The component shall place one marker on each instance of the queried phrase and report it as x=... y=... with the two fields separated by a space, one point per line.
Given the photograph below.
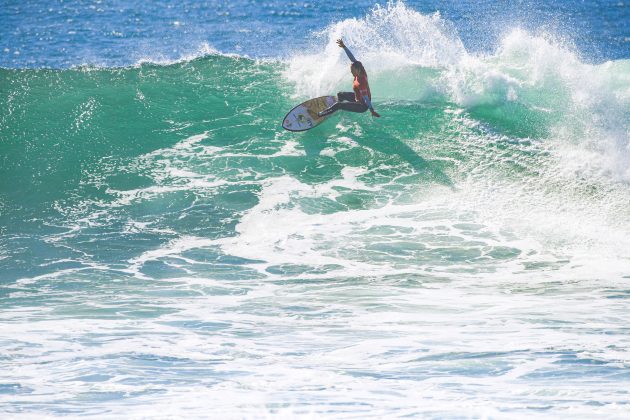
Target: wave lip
x=203 y=50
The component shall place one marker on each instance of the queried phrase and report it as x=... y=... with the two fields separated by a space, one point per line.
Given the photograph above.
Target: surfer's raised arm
x=348 y=53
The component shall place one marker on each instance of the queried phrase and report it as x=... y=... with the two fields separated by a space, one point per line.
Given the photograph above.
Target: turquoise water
x=167 y=250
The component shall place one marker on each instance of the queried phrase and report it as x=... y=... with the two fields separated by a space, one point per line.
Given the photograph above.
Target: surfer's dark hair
x=358 y=66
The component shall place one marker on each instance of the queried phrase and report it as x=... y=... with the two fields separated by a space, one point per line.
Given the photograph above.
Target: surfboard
x=304 y=116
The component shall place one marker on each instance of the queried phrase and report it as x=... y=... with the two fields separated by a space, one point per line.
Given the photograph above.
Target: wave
x=533 y=85
x=162 y=202
x=530 y=123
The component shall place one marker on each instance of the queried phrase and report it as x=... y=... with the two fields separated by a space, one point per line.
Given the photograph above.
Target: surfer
x=361 y=99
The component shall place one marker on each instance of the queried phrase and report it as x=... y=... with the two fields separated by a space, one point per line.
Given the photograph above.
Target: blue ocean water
x=113 y=33
x=168 y=251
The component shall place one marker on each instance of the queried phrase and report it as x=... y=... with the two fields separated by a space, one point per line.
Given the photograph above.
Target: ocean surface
x=168 y=251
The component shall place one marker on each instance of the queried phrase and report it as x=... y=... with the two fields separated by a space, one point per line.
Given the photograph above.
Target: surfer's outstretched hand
x=340 y=43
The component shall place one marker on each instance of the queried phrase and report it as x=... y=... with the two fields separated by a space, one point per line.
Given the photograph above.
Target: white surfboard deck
x=304 y=116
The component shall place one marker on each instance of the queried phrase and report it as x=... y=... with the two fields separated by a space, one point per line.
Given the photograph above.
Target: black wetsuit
x=346 y=101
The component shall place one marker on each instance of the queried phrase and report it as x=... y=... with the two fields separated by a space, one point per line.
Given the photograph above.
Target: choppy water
x=167 y=250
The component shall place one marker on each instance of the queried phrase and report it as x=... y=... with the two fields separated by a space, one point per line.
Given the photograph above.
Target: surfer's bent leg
x=346 y=96
x=346 y=106
x=346 y=101
x=353 y=106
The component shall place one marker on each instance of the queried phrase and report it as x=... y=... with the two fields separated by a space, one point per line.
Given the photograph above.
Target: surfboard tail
x=304 y=116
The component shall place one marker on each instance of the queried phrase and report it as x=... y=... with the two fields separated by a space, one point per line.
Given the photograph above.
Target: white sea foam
x=390 y=39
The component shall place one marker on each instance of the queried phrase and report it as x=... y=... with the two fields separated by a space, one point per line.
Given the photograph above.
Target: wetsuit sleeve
x=349 y=54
